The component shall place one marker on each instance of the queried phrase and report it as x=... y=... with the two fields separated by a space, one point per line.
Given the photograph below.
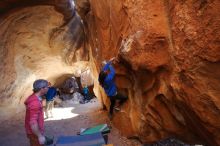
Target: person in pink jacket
x=34 y=118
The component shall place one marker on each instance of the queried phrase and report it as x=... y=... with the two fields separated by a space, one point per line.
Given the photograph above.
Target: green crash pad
x=103 y=128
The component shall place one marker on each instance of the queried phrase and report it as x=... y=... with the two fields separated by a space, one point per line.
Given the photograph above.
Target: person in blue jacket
x=86 y=94
x=106 y=80
x=51 y=94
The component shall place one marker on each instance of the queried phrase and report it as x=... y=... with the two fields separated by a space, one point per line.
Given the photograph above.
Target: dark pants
x=87 y=96
x=113 y=99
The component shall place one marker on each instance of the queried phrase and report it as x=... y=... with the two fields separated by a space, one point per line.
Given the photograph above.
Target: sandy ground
x=66 y=121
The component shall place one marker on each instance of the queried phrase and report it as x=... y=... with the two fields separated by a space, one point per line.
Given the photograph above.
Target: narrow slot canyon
x=167 y=62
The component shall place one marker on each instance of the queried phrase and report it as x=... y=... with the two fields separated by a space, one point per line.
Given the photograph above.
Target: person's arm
x=106 y=67
x=54 y=92
x=111 y=74
x=34 y=115
x=36 y=131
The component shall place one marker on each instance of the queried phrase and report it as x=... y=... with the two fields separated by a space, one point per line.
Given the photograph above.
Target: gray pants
x=49 y=108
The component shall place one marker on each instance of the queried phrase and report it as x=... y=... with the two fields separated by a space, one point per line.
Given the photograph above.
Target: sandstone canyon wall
x=38 y=39
x=168 y=53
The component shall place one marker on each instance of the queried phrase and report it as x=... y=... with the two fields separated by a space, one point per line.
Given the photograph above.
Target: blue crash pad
x=95 y=139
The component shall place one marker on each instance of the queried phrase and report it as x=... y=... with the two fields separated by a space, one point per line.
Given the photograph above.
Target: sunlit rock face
x=169 y=55
x=37 y=40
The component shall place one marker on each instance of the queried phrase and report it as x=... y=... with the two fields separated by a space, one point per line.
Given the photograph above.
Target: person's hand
x=41 y=139
x=113 y=58
x=104 y=62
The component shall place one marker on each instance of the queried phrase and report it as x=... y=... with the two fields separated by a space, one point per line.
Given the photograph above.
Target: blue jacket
x=85 y=90
x=109 y=85
x=51 y=93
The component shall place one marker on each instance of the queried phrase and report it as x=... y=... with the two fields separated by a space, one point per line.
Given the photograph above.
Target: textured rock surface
x=168 y=55
x=169 y=64
x=37 y=41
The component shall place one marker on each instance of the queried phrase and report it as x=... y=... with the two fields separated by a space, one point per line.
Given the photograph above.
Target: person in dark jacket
x=51 y=94
x=106 y=80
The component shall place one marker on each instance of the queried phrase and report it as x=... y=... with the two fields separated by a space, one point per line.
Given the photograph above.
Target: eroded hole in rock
x=167 y=64
x=75 y=90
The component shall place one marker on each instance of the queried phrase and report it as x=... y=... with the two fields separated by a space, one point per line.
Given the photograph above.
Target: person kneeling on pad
x=106 y=80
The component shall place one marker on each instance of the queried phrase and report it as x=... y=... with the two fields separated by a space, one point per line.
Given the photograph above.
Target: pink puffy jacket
x=34 y=113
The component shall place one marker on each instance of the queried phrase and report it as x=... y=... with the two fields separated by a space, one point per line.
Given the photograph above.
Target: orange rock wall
x=168 y=55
